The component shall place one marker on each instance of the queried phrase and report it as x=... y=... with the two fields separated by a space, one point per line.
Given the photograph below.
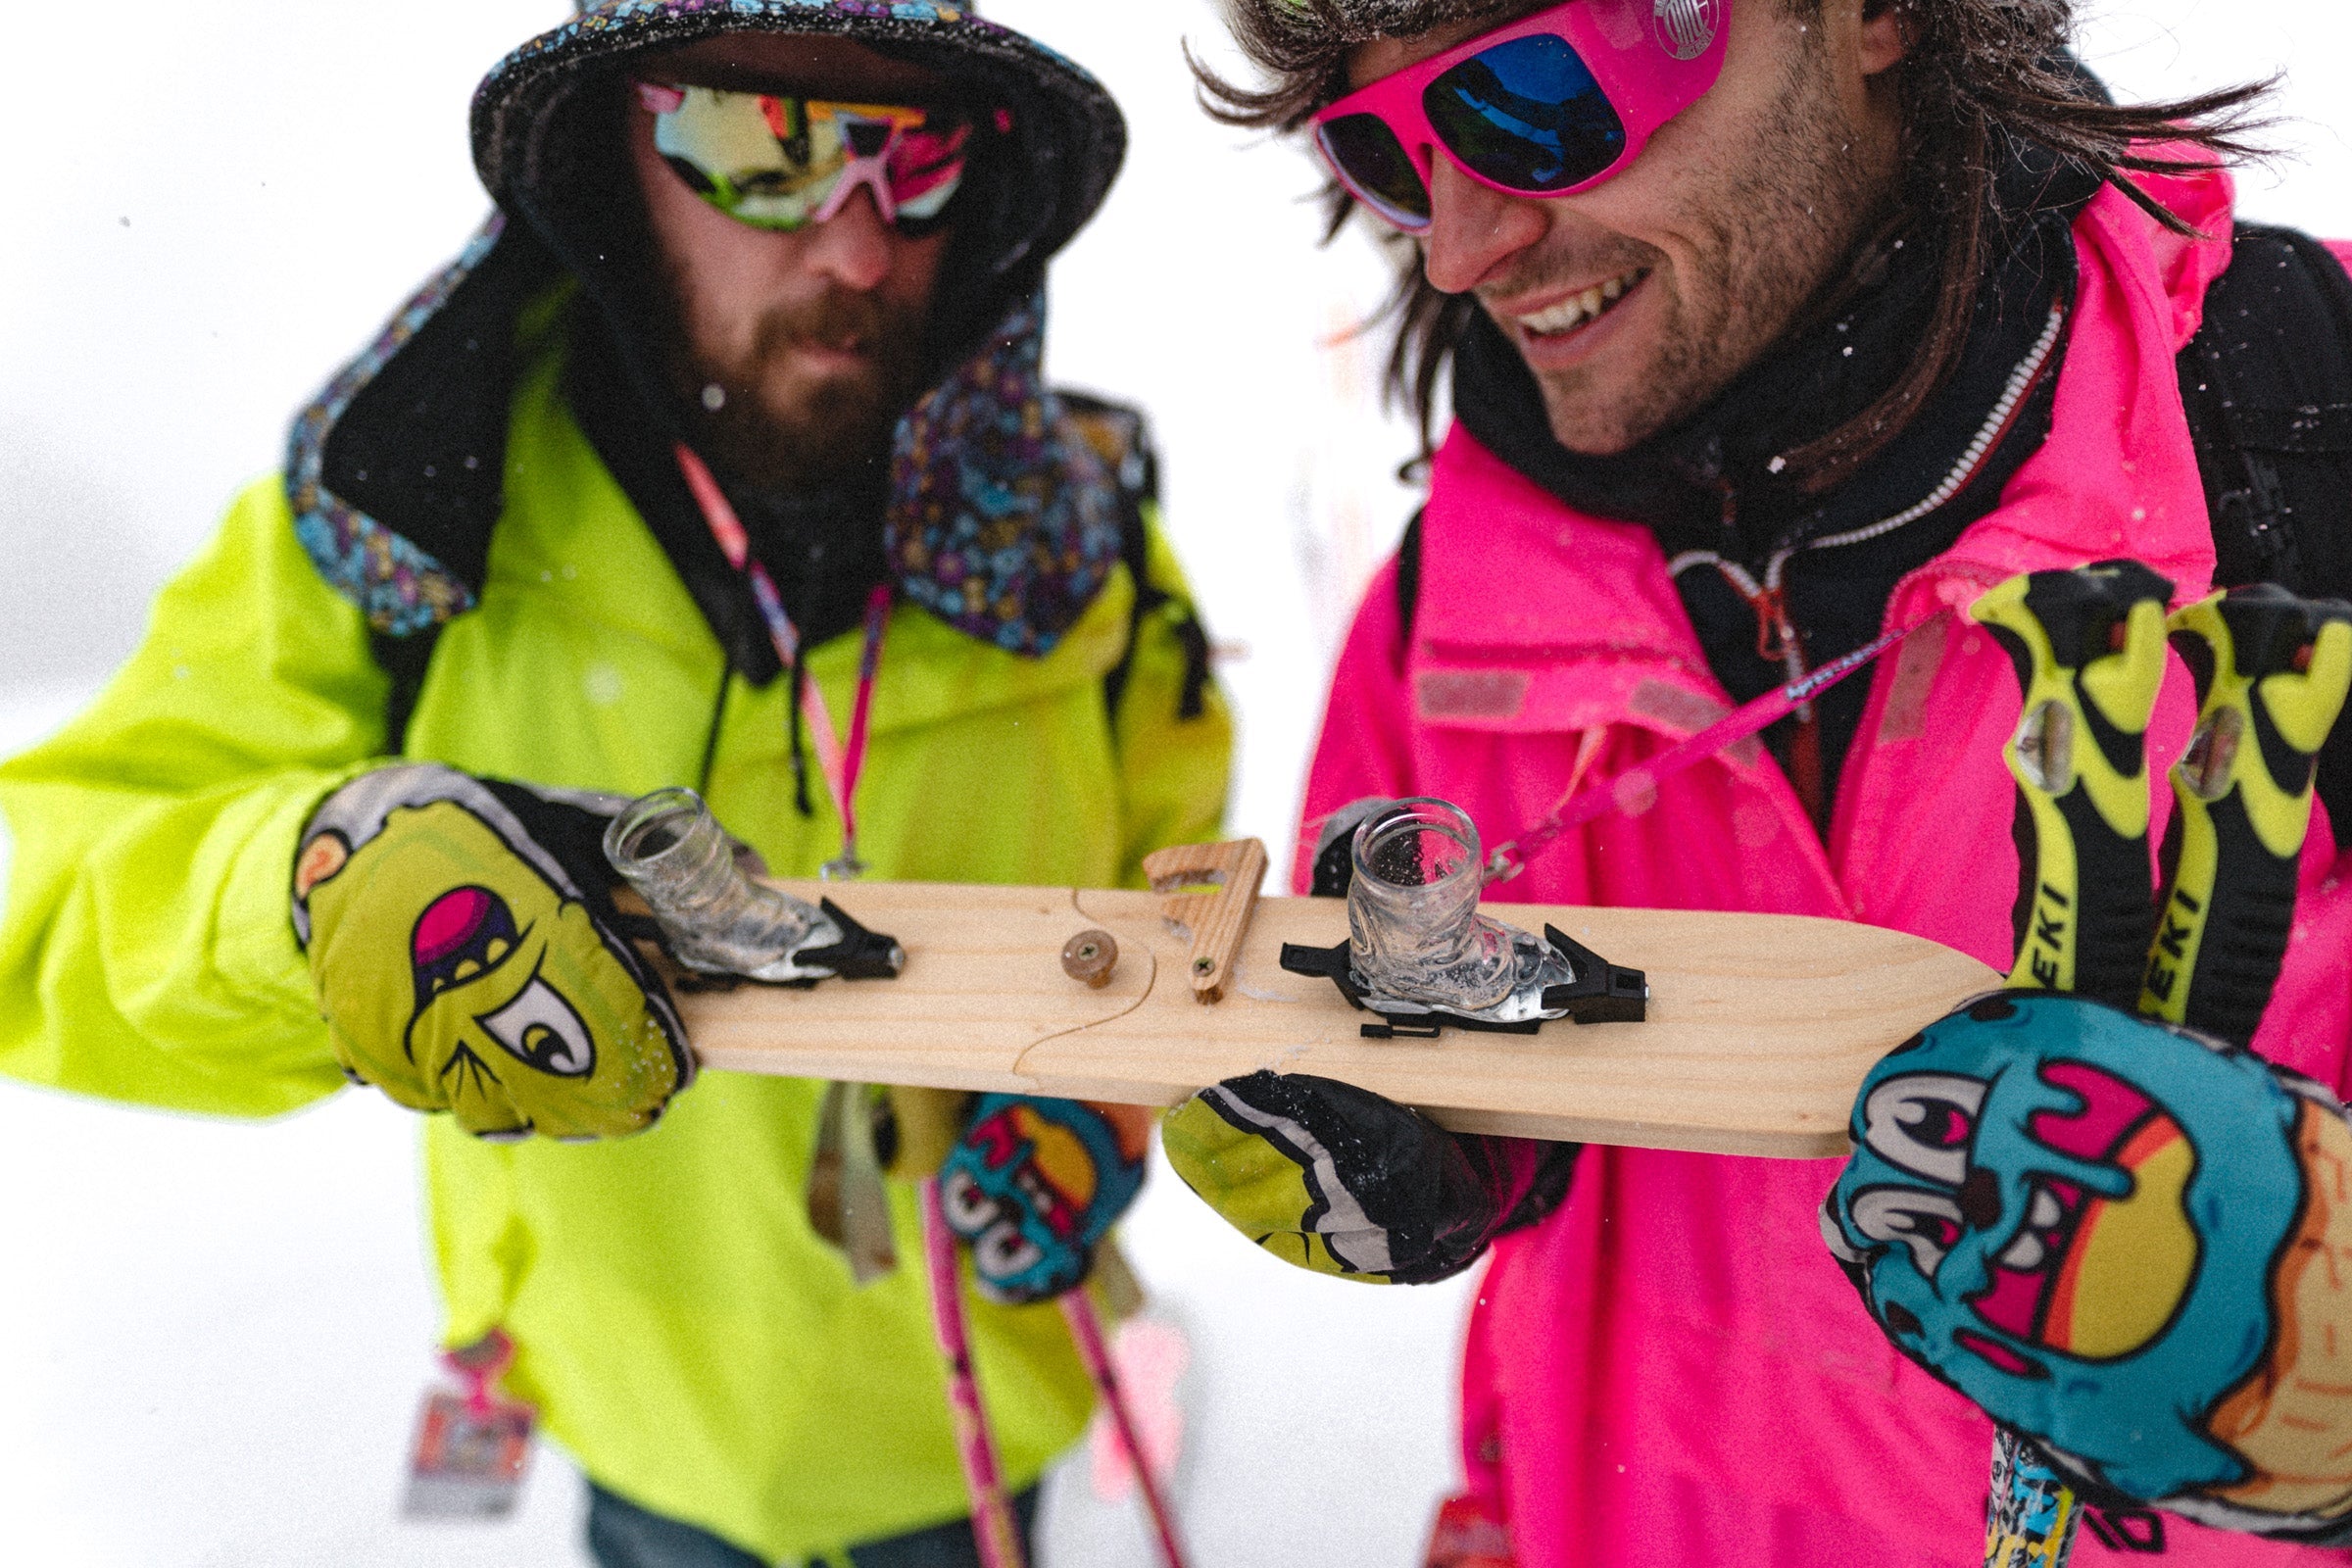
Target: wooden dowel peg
x=1091 y=956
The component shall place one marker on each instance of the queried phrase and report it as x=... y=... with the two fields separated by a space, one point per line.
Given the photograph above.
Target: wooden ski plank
x=1760 y=1027
x=983 y=984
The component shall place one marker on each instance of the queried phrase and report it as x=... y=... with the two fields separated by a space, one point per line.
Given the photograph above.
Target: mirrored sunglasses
x=778 y=162
x=1555 y=103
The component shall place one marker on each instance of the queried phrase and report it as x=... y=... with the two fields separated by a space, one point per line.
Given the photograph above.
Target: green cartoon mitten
x=462 y=940
x=1337 y=1180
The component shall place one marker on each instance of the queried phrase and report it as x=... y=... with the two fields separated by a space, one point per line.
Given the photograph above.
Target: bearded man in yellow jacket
x=729 y=422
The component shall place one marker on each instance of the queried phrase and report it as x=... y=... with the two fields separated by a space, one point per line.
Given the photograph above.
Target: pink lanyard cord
x=1634 y=789
x=841 y=764
x=869 y=666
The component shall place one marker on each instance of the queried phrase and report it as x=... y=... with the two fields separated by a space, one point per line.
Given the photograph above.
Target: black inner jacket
x=1711 y=483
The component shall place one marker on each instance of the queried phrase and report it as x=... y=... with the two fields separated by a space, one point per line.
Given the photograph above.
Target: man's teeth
x=1578 y=309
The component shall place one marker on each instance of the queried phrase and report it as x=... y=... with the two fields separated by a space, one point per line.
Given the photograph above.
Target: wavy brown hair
x=1977 y=72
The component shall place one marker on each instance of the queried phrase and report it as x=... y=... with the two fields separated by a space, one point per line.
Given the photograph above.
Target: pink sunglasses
x=1550 y=105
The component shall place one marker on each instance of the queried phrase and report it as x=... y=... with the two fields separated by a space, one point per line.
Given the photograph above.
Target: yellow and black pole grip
x=2272 y=673
x=2090 y=649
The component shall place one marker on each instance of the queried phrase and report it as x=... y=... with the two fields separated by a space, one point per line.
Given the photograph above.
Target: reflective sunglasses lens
x=757 y=158
x=1526 y=115
x=926 y=169
x=1374 y=162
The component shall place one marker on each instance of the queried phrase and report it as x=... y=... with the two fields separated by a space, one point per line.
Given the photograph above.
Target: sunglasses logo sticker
x=1685 y=28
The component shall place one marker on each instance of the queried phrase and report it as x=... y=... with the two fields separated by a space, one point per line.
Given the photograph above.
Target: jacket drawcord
x=812 y=587
x=719 y=715
x=798 y=677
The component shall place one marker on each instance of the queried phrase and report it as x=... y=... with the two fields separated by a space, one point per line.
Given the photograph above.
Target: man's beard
x=809 y=432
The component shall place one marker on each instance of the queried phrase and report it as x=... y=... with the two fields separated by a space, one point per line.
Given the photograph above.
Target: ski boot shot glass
x=1416 y=940
x=672 y=851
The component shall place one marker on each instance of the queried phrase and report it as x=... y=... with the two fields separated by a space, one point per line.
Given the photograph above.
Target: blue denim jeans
x=621 y=1534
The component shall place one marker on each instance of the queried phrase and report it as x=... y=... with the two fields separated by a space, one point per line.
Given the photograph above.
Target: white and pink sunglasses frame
x=869 y=172
x=1652 y=60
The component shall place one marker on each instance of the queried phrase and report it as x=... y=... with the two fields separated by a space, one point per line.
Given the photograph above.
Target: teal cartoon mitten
x=2125 y=1240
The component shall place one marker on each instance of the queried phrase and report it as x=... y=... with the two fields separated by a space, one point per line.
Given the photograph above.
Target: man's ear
x=1886 y=40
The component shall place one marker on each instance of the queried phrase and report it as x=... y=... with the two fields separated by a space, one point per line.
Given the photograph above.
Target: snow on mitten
x=1337 y=1180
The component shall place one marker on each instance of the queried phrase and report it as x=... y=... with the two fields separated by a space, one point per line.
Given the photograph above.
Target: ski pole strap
x=1633 y=789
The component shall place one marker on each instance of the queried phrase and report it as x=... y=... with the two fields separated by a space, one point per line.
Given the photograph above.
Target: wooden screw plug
x=1091 y=956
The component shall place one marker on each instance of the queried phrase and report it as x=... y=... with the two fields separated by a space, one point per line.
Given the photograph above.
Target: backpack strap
x=1123 y=441
x=1409 y=576
x=2267 y=384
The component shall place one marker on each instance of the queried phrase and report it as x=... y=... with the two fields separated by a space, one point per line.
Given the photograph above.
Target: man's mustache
x=840 y=320
x=1532 y=274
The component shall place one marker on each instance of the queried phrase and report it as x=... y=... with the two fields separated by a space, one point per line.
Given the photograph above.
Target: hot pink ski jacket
x=1670 y=1370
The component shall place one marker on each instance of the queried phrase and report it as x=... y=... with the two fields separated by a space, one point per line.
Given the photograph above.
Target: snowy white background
x=212 y=1337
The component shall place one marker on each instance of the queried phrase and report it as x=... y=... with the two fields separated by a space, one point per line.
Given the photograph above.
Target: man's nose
x=855 y=247
x=1473 y=229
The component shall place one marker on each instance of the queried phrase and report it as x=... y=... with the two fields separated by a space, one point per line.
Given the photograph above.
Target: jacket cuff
x=254 y=945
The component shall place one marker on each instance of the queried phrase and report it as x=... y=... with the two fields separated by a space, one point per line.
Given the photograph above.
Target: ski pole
x=1086 y=1331
x=2089 y=650
x=2272 y=673
x=992 y=1526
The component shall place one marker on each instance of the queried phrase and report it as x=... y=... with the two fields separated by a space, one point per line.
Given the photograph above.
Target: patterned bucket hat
x=534 y=125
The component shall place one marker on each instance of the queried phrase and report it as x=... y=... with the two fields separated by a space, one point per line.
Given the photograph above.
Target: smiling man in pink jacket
x=1773 y=324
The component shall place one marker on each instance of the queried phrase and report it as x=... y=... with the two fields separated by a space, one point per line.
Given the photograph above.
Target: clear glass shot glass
x=672 y=851
x=1415 y=933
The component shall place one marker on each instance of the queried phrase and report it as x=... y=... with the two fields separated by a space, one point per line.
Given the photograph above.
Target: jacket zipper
x=1778 y=640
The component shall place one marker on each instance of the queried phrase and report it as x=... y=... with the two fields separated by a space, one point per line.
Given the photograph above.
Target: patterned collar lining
x=1000 y=521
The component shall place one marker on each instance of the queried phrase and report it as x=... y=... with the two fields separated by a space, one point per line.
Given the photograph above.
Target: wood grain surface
x=1217 y=919
x=1760 y=1026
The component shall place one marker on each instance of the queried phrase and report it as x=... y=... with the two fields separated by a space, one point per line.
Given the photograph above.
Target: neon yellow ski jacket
x=681 y=1329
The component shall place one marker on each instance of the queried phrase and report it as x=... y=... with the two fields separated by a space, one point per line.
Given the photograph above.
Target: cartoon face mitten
x=461 y=938
x=1336 y=1179
x=2125 y=1240
x=1033 y=1185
